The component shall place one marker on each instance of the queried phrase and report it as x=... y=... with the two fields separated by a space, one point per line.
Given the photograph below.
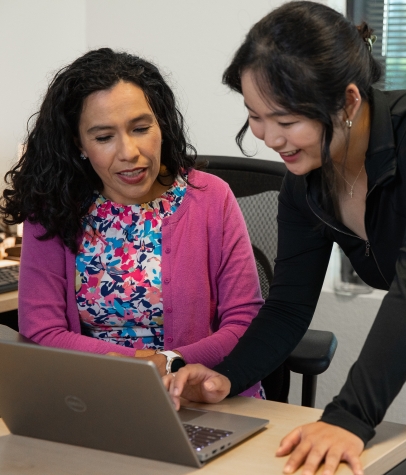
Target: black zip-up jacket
x=305 y=237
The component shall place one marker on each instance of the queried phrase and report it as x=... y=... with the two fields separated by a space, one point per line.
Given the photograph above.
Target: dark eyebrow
x=101 y=127
x=275 y=113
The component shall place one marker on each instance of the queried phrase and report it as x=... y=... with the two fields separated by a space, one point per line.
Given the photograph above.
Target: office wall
x=36 y=38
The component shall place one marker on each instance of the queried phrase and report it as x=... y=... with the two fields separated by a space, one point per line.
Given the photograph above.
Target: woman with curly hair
x=308 y=80
x=127 y=248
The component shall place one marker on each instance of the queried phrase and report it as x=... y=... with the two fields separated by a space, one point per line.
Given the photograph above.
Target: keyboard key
x=201 y=437
x=9 y=278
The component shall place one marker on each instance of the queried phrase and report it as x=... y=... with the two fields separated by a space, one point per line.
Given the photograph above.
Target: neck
x=351 y=161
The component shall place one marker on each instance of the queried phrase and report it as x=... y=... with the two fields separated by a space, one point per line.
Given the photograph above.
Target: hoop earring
x=348 y=123
x=83 y=156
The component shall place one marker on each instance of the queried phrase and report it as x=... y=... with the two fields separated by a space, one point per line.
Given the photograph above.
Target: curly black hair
x=50 y=184
x=304 y=54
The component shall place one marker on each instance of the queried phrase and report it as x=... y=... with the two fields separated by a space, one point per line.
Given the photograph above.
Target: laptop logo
x=75 y=404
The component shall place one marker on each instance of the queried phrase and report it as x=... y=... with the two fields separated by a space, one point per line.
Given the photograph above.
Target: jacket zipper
x=368 y=249
x=368 y=245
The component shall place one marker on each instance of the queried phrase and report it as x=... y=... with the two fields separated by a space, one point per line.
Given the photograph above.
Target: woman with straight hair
x=307 y=76
x=128 y=249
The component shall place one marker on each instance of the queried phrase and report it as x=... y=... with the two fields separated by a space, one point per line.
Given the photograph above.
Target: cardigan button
x=167 y=280
x=169 y=310
x=169 y=339
x=168 y=250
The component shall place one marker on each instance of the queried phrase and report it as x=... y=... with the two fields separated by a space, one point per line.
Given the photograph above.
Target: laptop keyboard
x=201 y=437
x=9 y=278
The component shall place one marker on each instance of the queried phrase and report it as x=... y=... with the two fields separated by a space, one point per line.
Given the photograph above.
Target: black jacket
x=305 y=237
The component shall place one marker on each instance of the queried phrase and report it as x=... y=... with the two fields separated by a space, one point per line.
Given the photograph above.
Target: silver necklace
x=351 y=192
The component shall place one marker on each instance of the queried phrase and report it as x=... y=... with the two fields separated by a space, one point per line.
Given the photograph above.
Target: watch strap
x=171 y=356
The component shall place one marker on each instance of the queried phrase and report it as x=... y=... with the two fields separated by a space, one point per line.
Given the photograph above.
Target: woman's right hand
x=196 y=383
x=318 y=442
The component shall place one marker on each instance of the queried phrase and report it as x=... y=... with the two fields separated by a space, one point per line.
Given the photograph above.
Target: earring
x=83 y=156
x=348 y=123
x=163 y=170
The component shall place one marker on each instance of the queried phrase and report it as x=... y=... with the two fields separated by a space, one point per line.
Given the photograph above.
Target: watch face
x=177 y=363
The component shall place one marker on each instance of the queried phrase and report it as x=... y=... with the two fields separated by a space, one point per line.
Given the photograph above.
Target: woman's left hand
x=158 y=360
x=311 y=444
x=144 y=353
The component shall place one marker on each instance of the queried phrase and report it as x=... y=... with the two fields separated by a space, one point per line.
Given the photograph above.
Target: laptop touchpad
x=189 y=414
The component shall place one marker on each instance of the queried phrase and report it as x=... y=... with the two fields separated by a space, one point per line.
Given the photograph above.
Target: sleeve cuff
x=338 y=416
x=224 y=369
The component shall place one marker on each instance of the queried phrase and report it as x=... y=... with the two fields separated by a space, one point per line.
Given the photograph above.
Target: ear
x=353 y=102
x=79 y=146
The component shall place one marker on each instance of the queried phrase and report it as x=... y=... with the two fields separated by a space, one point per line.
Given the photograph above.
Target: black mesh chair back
x=256 y=184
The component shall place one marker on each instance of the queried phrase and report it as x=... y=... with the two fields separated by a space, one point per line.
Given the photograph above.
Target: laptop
x=108 y=403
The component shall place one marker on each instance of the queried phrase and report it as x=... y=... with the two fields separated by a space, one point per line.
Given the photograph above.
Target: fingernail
x=176 y=391
x=209 y=386
x=288 y=469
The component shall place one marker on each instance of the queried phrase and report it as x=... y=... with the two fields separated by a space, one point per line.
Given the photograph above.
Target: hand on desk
x=314 y=443
x=196 y=383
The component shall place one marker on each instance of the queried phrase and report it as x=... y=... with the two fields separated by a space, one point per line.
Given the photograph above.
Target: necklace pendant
x=351 y=193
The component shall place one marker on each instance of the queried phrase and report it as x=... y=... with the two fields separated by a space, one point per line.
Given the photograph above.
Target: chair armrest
x=313 y=354
x=8 y=334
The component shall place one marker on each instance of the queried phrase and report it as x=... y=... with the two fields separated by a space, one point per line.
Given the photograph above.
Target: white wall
x=36 y=38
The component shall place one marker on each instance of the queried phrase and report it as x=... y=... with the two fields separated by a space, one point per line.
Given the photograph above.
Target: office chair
x=256 y=184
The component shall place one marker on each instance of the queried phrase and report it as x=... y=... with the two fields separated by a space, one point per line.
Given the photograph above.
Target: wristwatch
x=173 y=361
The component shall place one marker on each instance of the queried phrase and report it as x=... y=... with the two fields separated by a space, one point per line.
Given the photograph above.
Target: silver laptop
x=108 y=403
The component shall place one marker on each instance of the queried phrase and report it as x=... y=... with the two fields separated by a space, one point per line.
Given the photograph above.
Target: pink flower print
x=86 y=317
x=93 y=281
x=151 y=216
x=127 y=219
x=104 y=210
x=109 y=299
x=92 y=295
x=125 y=251
x=117 y=225
x=166 y=205
x=118 y=251
x=138 y=276
x=153 y=295
x=128 y=314
x=128 y=289
x=144 y=317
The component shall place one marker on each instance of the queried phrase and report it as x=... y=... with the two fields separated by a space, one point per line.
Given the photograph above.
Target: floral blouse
x=118 y=270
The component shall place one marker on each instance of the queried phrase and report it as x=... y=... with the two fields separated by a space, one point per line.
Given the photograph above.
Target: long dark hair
x=303 y=55
x=50 y=184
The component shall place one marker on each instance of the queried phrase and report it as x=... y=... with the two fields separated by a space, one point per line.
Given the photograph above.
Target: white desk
x=25 y=456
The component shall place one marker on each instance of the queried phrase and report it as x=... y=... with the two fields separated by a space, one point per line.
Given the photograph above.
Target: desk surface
x=256 y=455
x=8 y=301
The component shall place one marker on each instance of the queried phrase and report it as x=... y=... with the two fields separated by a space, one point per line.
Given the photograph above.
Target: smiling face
x=120 y=136
x=296 y=138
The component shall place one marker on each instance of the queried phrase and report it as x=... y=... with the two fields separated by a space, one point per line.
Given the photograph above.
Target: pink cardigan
x=210 y=286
